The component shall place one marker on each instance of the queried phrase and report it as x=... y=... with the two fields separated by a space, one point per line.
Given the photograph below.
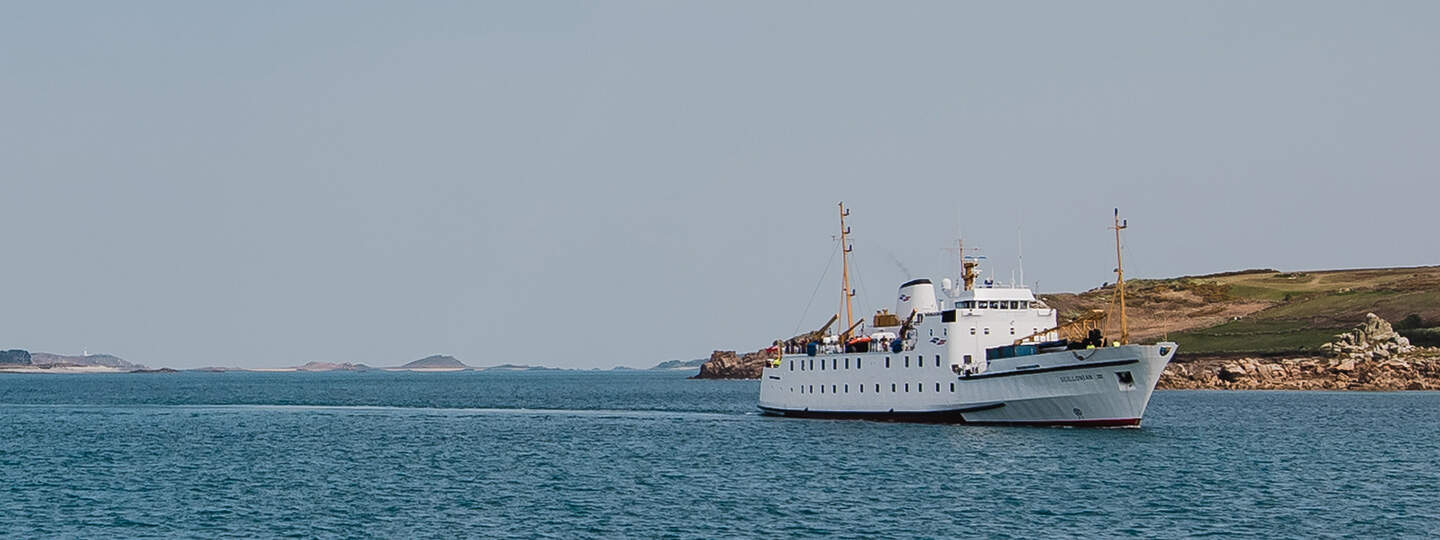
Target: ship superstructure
x=965 y=352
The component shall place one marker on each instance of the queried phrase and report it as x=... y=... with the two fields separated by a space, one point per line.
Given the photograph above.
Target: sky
x=592 y=184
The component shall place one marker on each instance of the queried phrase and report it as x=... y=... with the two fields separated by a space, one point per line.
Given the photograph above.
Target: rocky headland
x=729 y=365
x=1370 y=357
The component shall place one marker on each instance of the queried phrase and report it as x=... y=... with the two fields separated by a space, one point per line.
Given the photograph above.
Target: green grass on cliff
x=1255 y=336
x=1306 y=308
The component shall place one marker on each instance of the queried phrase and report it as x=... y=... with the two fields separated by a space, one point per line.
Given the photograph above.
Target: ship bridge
x=996 y=298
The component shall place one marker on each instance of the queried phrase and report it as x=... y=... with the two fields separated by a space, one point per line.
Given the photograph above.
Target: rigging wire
x=816 y=291
x=868 y=299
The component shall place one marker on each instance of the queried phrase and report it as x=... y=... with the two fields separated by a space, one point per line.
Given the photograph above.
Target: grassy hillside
x=1265 y=311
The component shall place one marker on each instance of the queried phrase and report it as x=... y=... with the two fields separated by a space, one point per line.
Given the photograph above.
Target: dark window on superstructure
x=919 y=387
x=847 y=363
x=987 y=331
x=832 y=389
x=937 y=360
x=892 y=387
x=887 y=362
x=877 y=388
x=1012 y=330
x=907 y=361
x=972 y=330
x=847 y=388
x=937 y=387
x=919 y=361
x=857 y=362
x=792 y=365
x=952 y=387
x=834 y=363
x=822 y=364
x=907 y=387
x=947 y=316
x=862 y=388
x=822 y=389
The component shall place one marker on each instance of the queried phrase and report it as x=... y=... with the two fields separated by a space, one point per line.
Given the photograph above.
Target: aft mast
x=1120 y=277
x=845 y=291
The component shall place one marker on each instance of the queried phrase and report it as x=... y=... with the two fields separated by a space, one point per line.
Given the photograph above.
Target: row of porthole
x=894 y=387
x=835 y=363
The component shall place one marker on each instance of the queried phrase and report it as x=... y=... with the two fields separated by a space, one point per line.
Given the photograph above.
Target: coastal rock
x=1371 y=357
x=729 y=365
x=1232 y=373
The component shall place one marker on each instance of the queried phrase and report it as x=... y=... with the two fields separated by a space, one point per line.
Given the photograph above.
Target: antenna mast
x=845 y=291
x=1120 y=277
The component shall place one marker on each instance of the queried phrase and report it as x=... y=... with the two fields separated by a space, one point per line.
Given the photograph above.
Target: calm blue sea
x=627 y=454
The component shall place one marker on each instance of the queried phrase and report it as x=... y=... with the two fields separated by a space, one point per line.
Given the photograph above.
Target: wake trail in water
x=286 y=407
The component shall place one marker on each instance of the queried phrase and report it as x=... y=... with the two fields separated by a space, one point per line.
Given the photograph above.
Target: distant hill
x=332 y=366
x=435 y=361
x=107 y=360
x=1268 y=311
x=521 y=367
x=15 y=357
x=681 y=364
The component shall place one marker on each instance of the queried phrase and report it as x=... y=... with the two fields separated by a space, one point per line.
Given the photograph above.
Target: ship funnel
x=917 y=295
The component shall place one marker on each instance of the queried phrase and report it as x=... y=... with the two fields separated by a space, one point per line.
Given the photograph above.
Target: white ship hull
x=1108 y=386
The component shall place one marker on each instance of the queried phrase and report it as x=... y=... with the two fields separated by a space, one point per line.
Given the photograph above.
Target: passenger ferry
x=964 y=353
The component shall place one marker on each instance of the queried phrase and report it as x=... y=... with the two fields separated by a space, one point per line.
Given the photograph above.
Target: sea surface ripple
x=626 y=454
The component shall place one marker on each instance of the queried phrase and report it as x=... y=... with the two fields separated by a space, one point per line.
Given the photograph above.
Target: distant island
x=22 y=361
x=436 y=362
x=1262 y=329
x=681 y=364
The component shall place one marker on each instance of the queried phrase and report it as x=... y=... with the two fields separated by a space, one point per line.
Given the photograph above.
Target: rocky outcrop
x=1373 y=339
x=728 y=365
x=1370 y=357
